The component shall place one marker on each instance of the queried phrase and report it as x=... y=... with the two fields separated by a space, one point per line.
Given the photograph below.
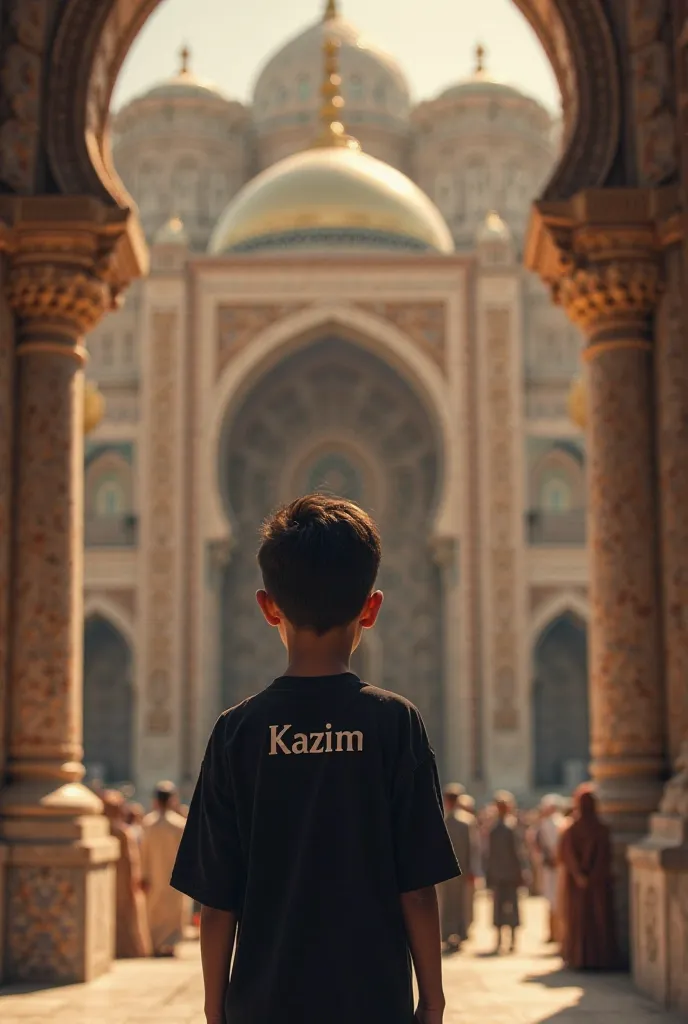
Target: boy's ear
x=371 y=610
x=268 y=607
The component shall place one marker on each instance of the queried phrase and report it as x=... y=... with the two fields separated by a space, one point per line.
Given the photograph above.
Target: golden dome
x=578 y=402
x=333 y=189
x=331 y=194
x=94 y=407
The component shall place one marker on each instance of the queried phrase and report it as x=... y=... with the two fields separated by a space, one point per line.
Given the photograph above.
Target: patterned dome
x=482 y=84
x=286 y=92
x=184 y=85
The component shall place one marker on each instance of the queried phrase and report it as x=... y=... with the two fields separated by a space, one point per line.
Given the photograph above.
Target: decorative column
x=599 y=253
x=59 y=855
x=671 y=363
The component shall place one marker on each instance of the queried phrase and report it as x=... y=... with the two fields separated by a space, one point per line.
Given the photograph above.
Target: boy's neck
x=312 y=655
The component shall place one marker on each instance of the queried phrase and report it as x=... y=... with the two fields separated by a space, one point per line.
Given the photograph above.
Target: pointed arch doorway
x=334 y=417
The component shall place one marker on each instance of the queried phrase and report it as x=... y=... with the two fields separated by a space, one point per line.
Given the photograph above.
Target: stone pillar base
x=659 y=908
x=57 y=888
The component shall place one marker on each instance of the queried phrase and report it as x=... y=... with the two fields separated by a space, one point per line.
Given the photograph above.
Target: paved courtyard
x=528 y=988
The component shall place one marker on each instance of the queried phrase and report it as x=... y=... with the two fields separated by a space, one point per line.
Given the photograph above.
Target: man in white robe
x=547 y=838
x=162 y=833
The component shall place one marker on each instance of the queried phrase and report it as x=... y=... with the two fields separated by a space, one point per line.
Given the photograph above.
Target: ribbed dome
x=286 y=90
x=331 y=196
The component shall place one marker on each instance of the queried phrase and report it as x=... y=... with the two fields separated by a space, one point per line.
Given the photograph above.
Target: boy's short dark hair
x=319 y=558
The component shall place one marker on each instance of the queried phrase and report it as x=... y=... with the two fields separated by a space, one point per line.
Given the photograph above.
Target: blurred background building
x=359 y=321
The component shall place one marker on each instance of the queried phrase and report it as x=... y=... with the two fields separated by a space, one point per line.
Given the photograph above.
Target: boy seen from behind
x=316 y=836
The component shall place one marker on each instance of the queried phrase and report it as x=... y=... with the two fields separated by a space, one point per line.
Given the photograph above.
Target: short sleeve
x=423 y=849
x=210 y=866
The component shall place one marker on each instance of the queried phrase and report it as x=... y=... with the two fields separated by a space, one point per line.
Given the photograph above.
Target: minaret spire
x=331 y=11
x=480 y=54
x=185 y=57
x=333 y=132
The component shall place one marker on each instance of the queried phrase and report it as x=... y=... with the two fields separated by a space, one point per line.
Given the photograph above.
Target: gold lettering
x=276 y=744
x=328 y=739
x=300 y=744
x=316 y=743
x=350 y=737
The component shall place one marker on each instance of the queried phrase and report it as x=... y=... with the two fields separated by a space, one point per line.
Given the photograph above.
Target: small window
x=380 y=95
x=304 y=88
x=356 y=89
x=109 y=499
x=128 y=349
x=555 y=495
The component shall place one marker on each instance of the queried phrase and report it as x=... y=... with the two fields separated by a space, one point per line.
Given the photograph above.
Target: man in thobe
x=162 y=833
x=504 y=870
x=547 y=837
x=452 y=896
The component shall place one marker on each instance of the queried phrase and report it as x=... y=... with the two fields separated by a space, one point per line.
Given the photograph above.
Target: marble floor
x=529 y=987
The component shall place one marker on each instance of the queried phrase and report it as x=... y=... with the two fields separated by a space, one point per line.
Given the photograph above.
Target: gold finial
x=185 y=54
x=331 y=11
x=480 y=55
x=333 y=132
x=578 y=403
x=94 y=407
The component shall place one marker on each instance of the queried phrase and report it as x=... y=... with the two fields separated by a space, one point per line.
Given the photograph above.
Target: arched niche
x=560 y=704
x=91 y=42
x=332 y=416
x=108 y=701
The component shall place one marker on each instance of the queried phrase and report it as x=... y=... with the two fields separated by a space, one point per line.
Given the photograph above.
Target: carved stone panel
x=652 y=83
x=163 y=541
x=21 y=85
x=47 y=927
x=423 y=322
x=502 y=491
x=239 y=324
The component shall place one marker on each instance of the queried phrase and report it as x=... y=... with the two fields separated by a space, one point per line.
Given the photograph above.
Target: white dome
x=287 y=91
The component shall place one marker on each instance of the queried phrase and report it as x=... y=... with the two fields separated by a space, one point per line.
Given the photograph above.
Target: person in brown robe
x=504 y=871
x=452 y=896
x=132 y=938
x=587 y=913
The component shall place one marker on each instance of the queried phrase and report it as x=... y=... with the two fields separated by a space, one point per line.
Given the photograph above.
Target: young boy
x=316 y=836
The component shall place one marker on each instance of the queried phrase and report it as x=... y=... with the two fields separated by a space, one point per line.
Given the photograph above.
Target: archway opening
x=334 y=417
x=91 y=48
x=560 y=706
x=108 y=703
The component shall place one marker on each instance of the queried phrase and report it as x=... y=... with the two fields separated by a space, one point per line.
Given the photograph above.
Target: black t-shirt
x=318 y=803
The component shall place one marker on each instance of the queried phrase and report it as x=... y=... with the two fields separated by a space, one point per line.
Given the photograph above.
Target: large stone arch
x=333 y=413
x=91 y=42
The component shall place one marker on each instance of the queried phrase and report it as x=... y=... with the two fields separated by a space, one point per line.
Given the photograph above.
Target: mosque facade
x=337 y=300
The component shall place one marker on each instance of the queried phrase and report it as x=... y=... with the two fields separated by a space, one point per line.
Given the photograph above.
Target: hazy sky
x=432 y=39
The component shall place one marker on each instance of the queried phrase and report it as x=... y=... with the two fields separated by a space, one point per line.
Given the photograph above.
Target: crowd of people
x=561 y=851
x=150 y=915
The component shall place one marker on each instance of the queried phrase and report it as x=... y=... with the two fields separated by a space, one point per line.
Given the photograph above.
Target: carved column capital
x=70 y=260
x=600 y=254
x=602 y=294
x=58 y=300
